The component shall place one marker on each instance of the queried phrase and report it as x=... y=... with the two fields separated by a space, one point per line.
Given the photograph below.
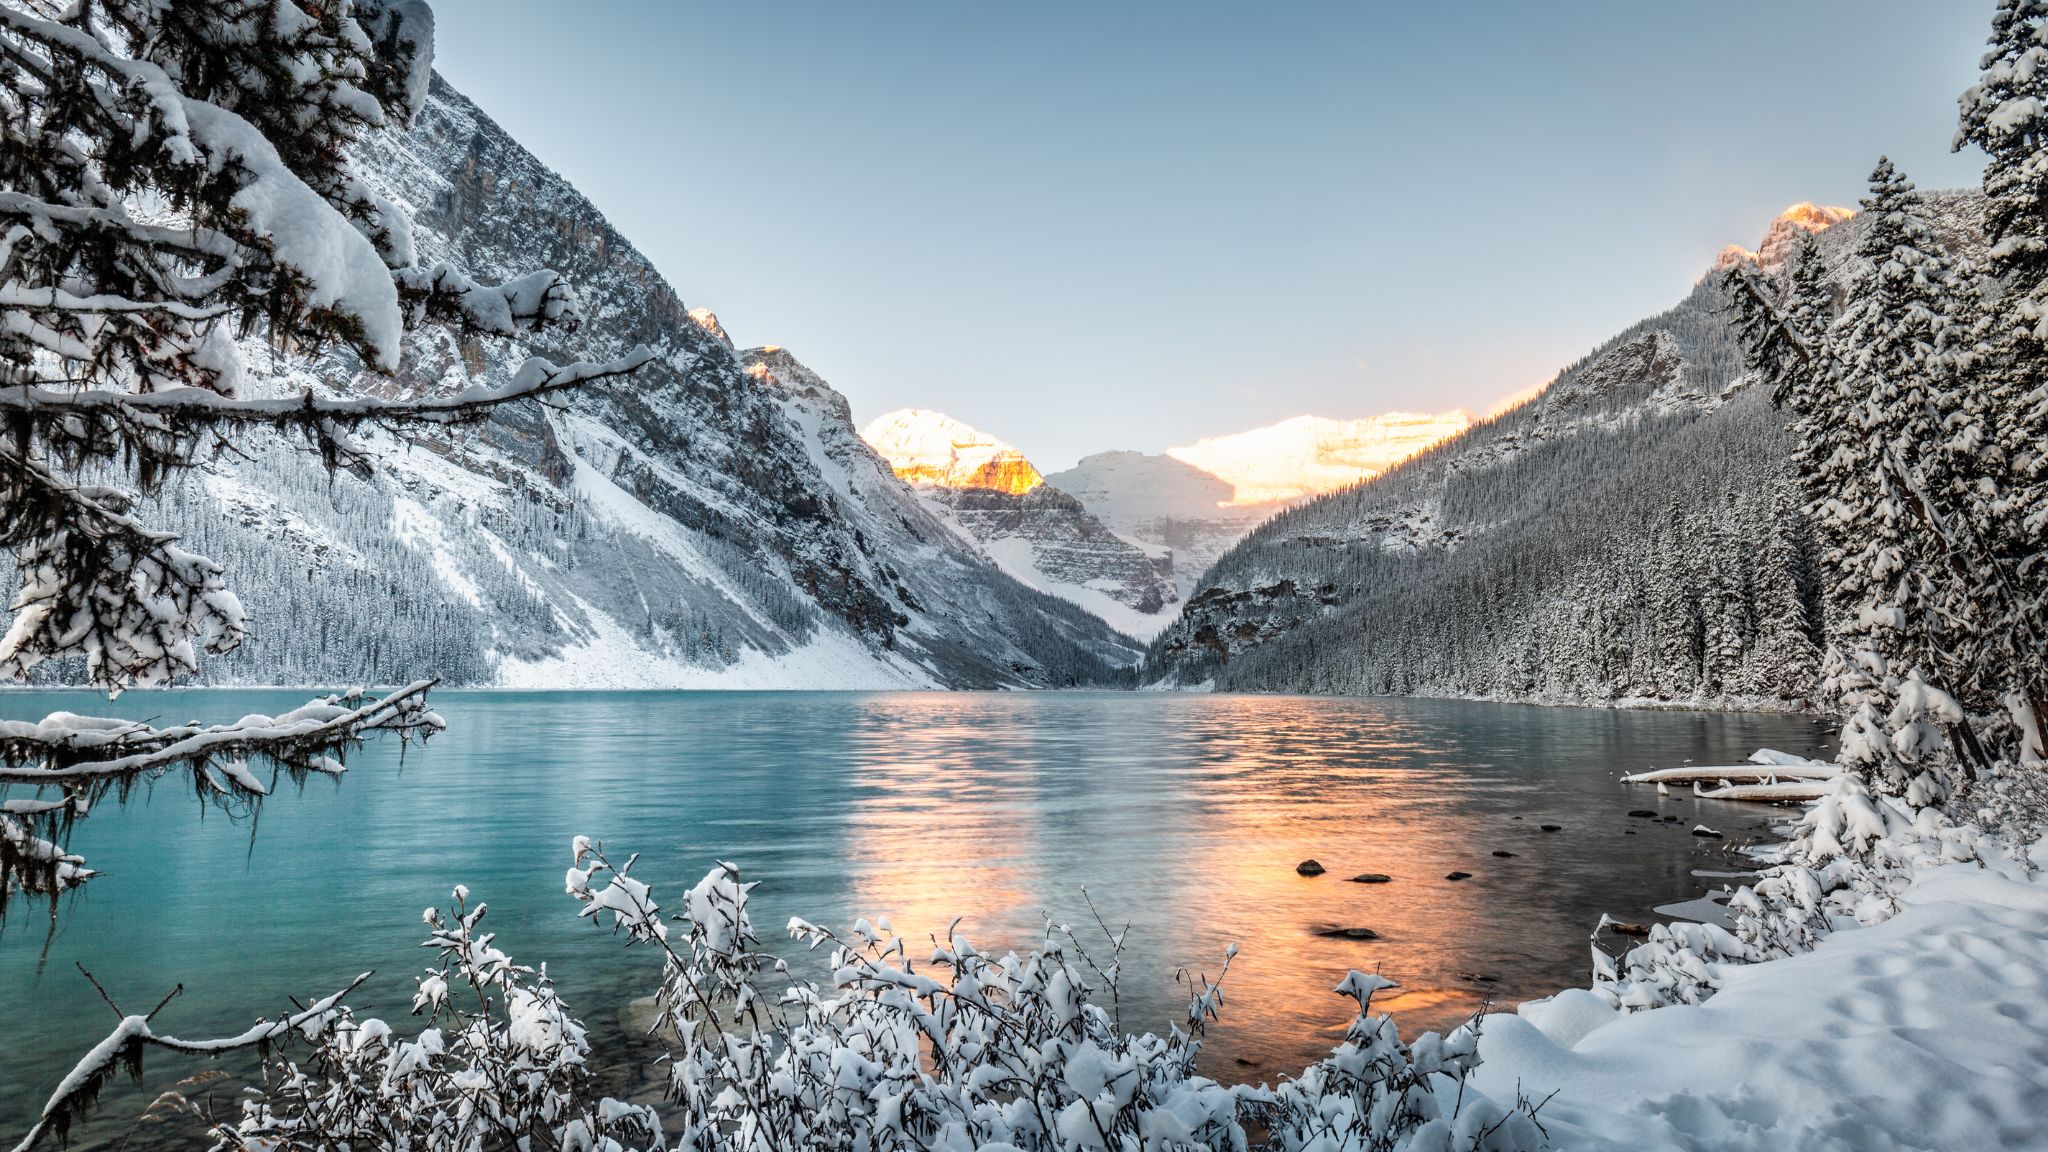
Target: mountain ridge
x=713 y=521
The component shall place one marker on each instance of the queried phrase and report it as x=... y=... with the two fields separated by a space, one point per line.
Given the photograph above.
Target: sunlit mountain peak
x=926 y=447
x=1799 y=220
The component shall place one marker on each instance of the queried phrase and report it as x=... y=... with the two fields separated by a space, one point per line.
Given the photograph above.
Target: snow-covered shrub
x=968 y=1050
x=501 y=1066
x=1375 y=1093
x=958 y=1051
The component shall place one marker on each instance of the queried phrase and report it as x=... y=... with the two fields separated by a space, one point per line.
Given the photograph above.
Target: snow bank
x=1923 y=1032
x=610 y=658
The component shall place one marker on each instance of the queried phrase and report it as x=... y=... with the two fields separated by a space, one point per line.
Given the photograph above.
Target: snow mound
x=1923 y=1032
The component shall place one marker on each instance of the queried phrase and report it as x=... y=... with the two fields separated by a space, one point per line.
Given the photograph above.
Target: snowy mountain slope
x=712 y=520
x=1199 y=499
x=997 y=502
x=1632 y=534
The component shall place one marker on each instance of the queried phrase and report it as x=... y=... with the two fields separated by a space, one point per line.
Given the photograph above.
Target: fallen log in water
x=1748 y=773
x=1779 y=793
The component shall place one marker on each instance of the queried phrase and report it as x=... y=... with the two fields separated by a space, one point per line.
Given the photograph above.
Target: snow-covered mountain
x=999 y=503
x=1199 y=499
x=932 y=449
x=713 y=520
x=1631 y=534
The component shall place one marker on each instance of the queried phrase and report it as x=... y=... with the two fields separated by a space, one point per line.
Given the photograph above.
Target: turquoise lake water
x=1183 y=814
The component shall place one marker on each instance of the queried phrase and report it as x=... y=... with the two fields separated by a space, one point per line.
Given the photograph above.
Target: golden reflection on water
x=960 y=813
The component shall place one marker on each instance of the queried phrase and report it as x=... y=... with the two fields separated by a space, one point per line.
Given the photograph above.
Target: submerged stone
x=1348 y=933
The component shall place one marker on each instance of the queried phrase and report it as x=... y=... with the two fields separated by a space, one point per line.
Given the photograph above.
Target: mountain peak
x=933 y=449
x=1793 y=223
x=706 y=319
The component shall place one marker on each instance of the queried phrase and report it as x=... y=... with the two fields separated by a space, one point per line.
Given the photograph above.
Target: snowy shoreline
x=1920 y=1032
x=1771 y=706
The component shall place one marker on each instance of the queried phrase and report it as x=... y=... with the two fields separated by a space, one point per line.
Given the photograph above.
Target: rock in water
x=1459 y=876
x=1503 y=854
x=1703 y=830
x=1643 y=814
x=1348 y=934
x=1309 y=868
x=1371 y=878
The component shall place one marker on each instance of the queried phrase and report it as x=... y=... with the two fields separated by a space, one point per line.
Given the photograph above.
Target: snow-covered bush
x=959 y=1050
x=501 y=1065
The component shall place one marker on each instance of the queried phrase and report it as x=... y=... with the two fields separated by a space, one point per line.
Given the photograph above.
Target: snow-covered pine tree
x=2000 y=430
x=1784 y=652
x=174 y=177
x=1890 y=390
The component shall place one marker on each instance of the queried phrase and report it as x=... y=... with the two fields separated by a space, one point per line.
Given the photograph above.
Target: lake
x=1184 y=815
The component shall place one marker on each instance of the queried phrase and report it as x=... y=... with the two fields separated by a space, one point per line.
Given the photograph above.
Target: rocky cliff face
x=993 y=497
x=713 y=520
x=1164 y=503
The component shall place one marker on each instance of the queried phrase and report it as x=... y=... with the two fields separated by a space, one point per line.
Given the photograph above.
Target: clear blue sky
x=1092 y=226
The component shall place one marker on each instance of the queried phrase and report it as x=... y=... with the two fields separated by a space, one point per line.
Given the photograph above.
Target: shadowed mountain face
x=1164 y=502
x=714 y=520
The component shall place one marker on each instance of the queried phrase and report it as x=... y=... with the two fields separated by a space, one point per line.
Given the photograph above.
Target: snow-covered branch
x=83 y=758
x=193 y=188
x=161 y=411
x=94 y=581
x=123 y=1048
x=66 y=748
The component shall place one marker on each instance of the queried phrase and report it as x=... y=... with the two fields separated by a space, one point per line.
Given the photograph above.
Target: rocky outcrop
x=1165 y=503
x=1200 y=499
